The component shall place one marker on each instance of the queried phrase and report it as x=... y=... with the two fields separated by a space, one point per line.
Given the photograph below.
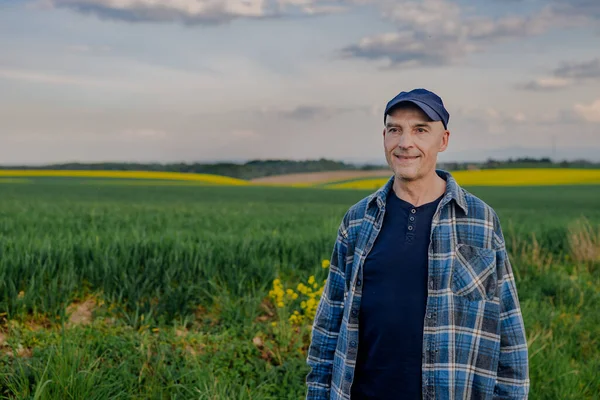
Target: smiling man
x=420 y=301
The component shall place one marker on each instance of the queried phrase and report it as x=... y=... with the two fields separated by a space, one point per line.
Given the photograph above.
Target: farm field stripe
x=145 y=182
x=501 y=177
x=206 y=178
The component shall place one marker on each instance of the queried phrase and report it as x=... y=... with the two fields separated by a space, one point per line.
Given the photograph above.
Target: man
x=420 y=301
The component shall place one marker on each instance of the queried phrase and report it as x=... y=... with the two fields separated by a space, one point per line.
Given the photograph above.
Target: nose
x=405 y=141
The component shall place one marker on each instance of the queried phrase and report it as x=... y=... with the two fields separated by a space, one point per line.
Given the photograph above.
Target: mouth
x=405 y=158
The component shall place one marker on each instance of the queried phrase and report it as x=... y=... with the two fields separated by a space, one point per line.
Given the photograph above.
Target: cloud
x=84 y=48
x=439 y=32
x=565 y=75
x=245 y=134
x=499 y=121
x=568 y=8
x=491 y=115
x=588 y=112
x=544 y=84
x=409 y=49
x=588 y=8
x=145 y=133
x=313 y=112
x=579 y=71
x=194 y=12
x=56 y=79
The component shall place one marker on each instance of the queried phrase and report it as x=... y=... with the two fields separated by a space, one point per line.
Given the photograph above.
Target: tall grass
x=180 y=279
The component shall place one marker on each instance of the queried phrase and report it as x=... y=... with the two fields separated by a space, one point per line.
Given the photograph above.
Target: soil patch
x=321 y=177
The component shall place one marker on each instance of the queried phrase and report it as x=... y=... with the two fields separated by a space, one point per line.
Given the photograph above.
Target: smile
x=405 y=158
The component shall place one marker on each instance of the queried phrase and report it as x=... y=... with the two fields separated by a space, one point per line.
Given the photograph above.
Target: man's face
x=412 y=142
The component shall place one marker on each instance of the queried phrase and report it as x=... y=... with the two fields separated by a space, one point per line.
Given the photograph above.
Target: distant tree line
x=261 y=168
x=523 y=162
x=248 y=170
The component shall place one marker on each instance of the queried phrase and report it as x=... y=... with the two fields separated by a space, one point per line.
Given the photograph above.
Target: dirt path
x=321 y=177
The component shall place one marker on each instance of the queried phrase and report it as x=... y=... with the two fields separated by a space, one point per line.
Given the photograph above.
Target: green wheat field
x=163 y=292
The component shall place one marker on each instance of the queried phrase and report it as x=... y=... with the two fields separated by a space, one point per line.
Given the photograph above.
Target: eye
x=421 y=130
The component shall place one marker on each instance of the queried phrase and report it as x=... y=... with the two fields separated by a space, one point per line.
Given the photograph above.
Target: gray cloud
x=44 y=77
x=84 y=48
x=588 y=8
x=439 y=32
x=199 y=12
x=498 y=121
x=579 y=71
x=543 y=85
x=313 y=112
x=495 y=120
x=409 y=48
x=565 y=75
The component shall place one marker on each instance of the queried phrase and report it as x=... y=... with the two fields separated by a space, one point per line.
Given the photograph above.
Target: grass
x=150 y=292
x=14 y=180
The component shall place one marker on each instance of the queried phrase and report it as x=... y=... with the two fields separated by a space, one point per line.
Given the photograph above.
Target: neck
x=421 y=191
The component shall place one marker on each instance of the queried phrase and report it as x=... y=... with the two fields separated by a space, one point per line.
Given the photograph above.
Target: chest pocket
x=474 y=275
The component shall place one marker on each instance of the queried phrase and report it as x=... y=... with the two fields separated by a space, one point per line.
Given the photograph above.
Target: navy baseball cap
x=429 y=102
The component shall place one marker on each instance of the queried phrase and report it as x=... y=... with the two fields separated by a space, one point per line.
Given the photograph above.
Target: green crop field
x=164 y=292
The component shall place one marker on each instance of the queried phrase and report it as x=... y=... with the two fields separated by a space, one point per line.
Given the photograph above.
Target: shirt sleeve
x=326 y=324
x=513 y=366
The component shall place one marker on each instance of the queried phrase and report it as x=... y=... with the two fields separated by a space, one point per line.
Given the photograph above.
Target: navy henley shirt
x=392 y=310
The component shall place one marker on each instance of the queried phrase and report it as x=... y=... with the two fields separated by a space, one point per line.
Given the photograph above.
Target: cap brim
x=430 y=112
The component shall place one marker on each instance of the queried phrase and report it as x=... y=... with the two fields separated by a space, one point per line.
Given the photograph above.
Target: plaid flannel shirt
x=474 y=343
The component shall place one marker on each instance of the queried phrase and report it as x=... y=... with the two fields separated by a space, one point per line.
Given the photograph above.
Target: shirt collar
x=453 y=192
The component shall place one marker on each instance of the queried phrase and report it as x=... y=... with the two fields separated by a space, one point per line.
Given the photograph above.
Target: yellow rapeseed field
x=176 y=176
x=500 y=177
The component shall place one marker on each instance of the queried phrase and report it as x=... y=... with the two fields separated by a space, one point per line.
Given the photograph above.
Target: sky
x=236 y=80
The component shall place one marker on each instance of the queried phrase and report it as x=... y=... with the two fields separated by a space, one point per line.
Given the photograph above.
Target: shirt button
x=413 y=211
x=353 y=344
x=410 y=228
x=358 y=282
x=412 y=218
x=353 y=313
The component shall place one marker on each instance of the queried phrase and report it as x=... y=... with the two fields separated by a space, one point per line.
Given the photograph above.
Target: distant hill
x=249 y=170
x=266 y=168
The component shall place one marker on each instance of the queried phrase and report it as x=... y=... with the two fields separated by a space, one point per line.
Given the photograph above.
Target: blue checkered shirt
x=474 y=342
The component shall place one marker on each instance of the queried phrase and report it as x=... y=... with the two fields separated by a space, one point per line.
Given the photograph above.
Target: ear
x=444 y=142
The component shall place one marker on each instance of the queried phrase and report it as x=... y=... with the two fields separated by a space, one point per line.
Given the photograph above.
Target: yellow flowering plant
x=295 y=307
x=298 y=303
